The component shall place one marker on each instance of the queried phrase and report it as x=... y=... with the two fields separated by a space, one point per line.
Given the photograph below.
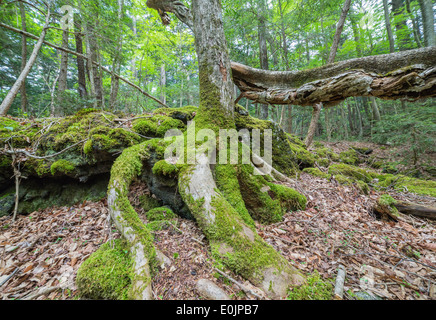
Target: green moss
x=317 y=173
x=148 y=202
x=156 y=126
x=404 y=183
x=228 y=184
x=353 y=172
x=326 y=153
x=107 y=273
x=387 y=200
x=184 y=114
x=161 y=213
x=315 y=288
x=265 y=201
x=349 y=157
x=62 y=167
x=164 y=168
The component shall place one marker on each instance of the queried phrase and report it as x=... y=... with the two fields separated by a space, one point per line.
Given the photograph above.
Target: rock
x=361 y=295
x=162 y=259
x=210 y=290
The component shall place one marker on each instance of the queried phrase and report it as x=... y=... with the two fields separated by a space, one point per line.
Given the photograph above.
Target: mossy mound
x=353 y=172
x=184 y=114
x=156 y=126
x=349 y=157
x=107 y=273
x=160 y=214
x=315 y=288
x=317 y=173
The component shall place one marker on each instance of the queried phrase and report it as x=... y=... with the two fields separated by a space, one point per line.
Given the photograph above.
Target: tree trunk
x=95 y=75
x=339 y=28
x=375 y=110
x=163 y=83
x=63 y=68
x=428 y=22
x=313 y=124
x=116 y=65
x=356 y=34
x=414 y=25
x=263 y=51
x=388 y=26
x=23 y=57
x=81 y=75
x=289 y=120
x=7 y=102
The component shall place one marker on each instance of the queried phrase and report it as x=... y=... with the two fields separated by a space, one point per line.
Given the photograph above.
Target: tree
x=23 y=57
x=428 y=22
x=7 y=102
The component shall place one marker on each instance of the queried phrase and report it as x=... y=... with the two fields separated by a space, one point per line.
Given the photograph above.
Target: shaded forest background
x=129 y=39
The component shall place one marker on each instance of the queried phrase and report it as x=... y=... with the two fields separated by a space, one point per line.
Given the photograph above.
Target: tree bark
x=428 y=22
x=339 y=28
x=81 y=75
x=63 y=68
x=23 y=57
x=313 y=124
x=7 y=102
x=163 y=83
x=389 y=27
x=263 y=51
x=116 y=66
x=409 y=74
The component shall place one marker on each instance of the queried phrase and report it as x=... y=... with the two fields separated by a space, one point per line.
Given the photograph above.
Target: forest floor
x=395 y=261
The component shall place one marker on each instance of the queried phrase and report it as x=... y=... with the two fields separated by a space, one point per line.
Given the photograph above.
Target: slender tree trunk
x=428 y=22
x=263 y=51
x=9 y=99
x=81 y=75
x=388 y=26
x=344 y=122
x=116 y=66
x=313 y=124
x=328 y=124
x=289 y=120
x=414 y=25
x=23 y=57
x=94 y=70
x=339 y=28
x=63 y=68
x=163 y=83
x=375 y=110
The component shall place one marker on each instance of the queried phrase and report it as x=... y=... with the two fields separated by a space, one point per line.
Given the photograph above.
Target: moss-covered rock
x=107 y=273
x=353 y=172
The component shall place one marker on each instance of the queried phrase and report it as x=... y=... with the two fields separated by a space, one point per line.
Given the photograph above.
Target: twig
x=9 y=277
x=244 y=288
x=41 y=292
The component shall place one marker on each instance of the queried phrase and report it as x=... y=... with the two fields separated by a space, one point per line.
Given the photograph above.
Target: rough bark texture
x=410 y=75
x=81 y=75
x=23 y=57
x=313 y=124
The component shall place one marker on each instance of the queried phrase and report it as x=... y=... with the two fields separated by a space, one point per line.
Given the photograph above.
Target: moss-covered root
x=125 y=168
x=233 y=242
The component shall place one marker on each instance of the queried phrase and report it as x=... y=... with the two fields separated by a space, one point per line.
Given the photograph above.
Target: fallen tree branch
x=243 y=288
x=41 y=292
